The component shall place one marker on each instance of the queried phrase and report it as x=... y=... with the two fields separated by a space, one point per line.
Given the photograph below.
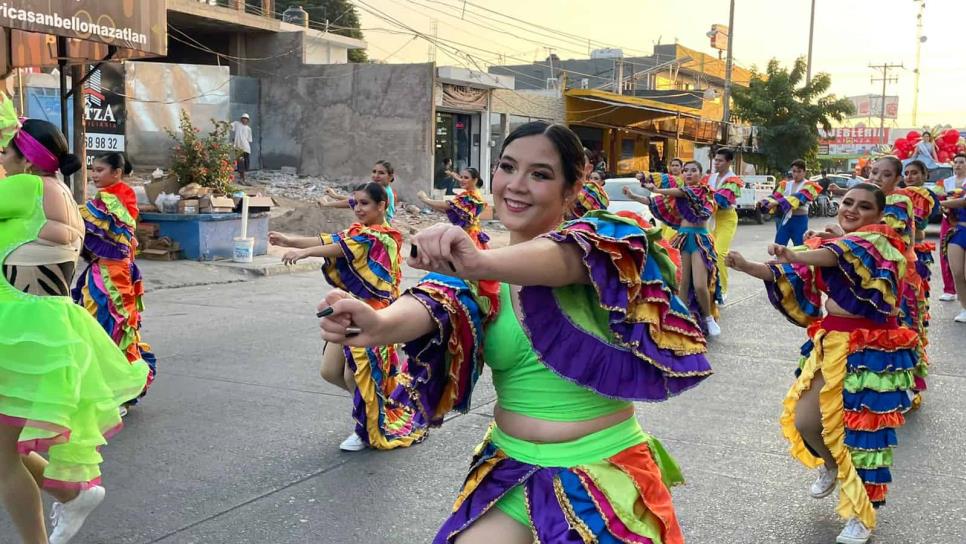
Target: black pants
x=243 y=163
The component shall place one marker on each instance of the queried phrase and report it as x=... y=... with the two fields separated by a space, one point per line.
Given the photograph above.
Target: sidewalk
x=177 y=274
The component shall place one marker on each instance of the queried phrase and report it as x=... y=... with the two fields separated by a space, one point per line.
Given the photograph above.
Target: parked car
x=756 y=188
x=935 y=176
x=619 y=202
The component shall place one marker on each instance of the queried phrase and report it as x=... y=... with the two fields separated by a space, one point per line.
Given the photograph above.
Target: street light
x=920 y=39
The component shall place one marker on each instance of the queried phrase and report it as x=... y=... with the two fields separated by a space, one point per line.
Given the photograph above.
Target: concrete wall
x=538 y=104
x=335 y=121
x=156 y=94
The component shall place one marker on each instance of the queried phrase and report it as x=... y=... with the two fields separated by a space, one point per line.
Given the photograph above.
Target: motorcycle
x=824 y=206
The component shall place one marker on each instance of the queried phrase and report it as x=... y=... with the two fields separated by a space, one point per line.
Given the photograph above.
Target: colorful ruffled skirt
x=868 y=370
x=384 y=415
x=111 y=291
x=609 y=486
x=61 y=380
x=698 y=240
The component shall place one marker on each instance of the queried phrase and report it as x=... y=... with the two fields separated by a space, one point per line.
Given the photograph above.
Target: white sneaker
x=68 y=518
x=824 y=485
x=961 y=318
x=724 y=298
x=122 y=410
x=353 y=443
x=947 y=297
x=854 y=533
x=713 y=329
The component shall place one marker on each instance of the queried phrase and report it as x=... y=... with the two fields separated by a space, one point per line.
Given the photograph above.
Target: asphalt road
x=238 y=440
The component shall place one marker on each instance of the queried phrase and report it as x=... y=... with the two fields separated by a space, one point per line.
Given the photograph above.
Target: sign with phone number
x=105 y=142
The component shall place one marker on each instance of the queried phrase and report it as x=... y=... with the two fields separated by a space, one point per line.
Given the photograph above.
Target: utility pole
x=811 y=36
x=920 y=39
x=726 y=117
x=885 y=79
x=434 y=28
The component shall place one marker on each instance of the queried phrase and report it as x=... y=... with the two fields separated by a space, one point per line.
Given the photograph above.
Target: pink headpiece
x=35 y=152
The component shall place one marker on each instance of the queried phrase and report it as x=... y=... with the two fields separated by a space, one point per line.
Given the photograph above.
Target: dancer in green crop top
x=583 y=321
x=62 y=377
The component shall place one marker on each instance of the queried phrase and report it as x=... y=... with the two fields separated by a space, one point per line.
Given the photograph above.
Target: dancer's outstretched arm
x=447 y=249
x=438 y=205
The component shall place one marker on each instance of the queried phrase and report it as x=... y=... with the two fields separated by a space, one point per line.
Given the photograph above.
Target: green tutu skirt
x=62 y=379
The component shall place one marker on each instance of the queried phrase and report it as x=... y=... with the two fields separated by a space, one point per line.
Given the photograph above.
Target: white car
x=619 y=201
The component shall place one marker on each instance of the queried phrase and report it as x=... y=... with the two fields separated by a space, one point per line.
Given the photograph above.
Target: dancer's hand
x=650 y=186
x=279 y=239
x=627 y=191
x=783 y=254
x=294 y=256
x=348 y=312
x=447 y=249
x=735 y=260
x=421 y=195
x=331 y=192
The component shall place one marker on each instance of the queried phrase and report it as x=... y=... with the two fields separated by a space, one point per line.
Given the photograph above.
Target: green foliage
x=206 y=160
x=341 y=14
x=789 y=112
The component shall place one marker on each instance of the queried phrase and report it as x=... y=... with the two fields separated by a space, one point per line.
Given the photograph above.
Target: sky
x=849 y=36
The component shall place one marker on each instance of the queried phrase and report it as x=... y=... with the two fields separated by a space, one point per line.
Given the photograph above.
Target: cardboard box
x=189 y=206
x=217 y=204
x=194 y=191
x=167 y=184
x=147 y=230
x=161 y=254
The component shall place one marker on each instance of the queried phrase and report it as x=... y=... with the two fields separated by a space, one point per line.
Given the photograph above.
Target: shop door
x=454 y=139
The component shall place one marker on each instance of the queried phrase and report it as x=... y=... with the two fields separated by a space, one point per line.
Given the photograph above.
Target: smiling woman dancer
x=688 y=209
x=110 y=288
x=464 y=209
x=842 y=413
x=364 y=260
x=383 y=174
x=585 y=321
x=61 y=377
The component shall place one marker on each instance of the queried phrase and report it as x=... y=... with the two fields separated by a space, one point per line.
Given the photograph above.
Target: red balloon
x=943 y=156
x=900 y=143
x=913 y=136
x=901 y=153
x=951 y=136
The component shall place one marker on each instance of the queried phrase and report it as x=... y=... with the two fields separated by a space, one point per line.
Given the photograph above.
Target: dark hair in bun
x=117 y=161
x=53 y=139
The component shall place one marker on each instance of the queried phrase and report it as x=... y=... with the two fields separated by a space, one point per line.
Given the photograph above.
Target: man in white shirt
x=955 y=181
x=242 y=139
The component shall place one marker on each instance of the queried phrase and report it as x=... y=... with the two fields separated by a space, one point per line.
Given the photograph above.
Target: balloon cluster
x=948 y=143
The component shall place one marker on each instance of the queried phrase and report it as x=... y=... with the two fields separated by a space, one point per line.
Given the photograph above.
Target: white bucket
x=244 y=250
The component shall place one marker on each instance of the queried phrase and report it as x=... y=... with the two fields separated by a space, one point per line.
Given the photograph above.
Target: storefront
x=632 y=134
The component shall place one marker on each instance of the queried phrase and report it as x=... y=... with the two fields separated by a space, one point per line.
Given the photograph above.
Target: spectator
x=242 y=138
x=824 y=182
x=445 y=177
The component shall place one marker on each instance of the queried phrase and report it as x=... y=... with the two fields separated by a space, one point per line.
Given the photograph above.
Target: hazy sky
x=849 y=35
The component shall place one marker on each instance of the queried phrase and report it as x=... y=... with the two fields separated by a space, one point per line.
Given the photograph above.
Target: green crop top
x=526 y=386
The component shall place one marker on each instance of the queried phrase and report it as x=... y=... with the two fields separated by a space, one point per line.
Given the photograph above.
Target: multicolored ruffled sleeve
x=924 y=205
x=696 y=206
x=783 y=204
x=9 y=122
x=592 y=196
x=870 y=272
x=900 y=215
x=370 y=266
x=795 y=293
x=465 y=209
x=661 y=180
x=626 y=335
x=728 y=191
x=109 y=227
x=444 y=366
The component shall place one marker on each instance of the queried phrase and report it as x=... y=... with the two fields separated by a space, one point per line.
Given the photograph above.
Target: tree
x=341 y=14
x=788 y=112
